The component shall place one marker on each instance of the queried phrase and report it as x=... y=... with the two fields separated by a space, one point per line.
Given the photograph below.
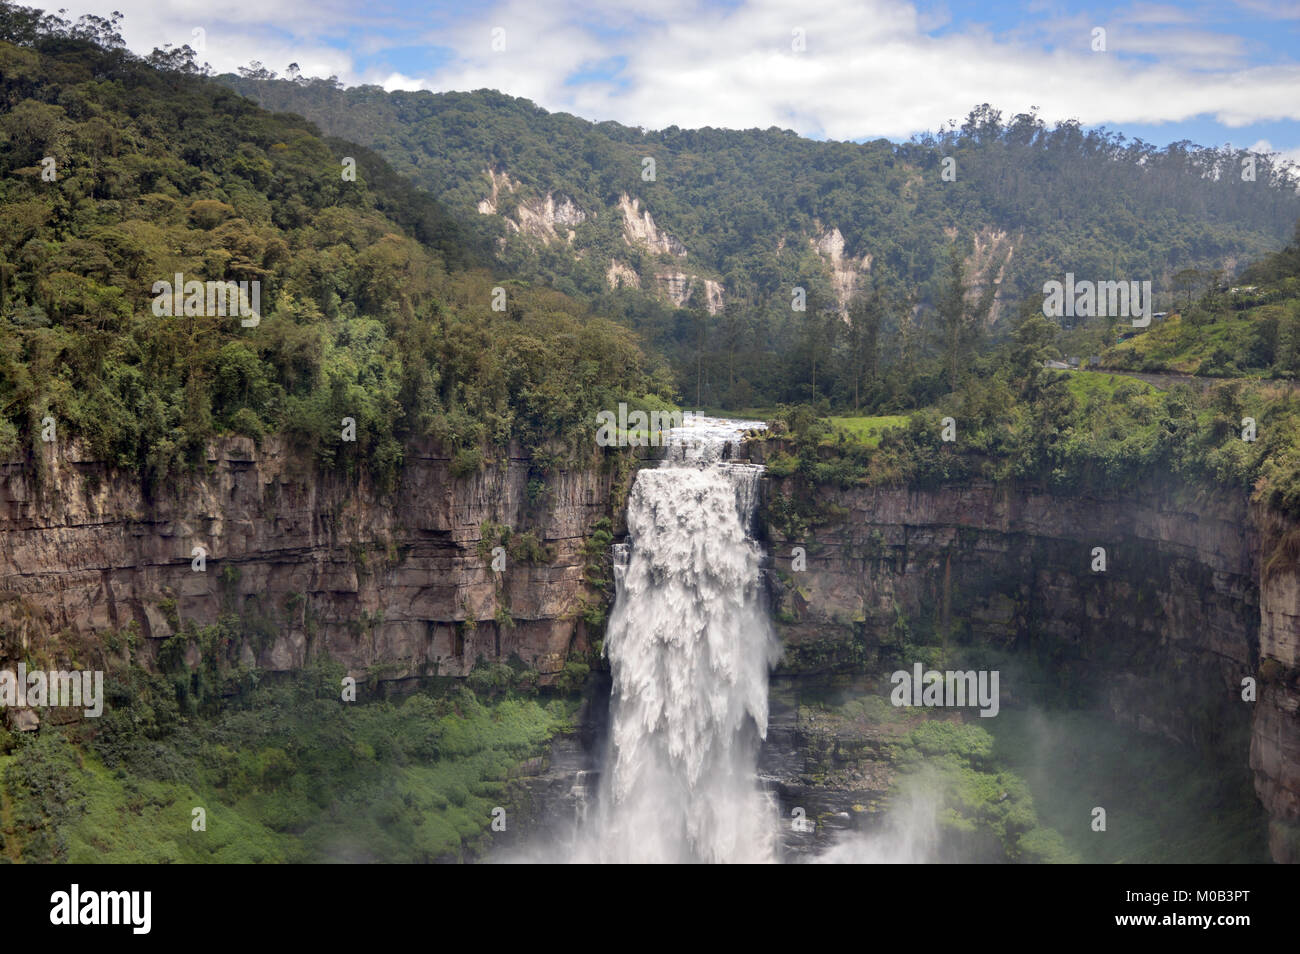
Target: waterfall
x=690 y=647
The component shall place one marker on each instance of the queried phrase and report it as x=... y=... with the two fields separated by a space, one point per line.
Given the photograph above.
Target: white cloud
x=871 y=68
x=397 y=81
x=1287 y=155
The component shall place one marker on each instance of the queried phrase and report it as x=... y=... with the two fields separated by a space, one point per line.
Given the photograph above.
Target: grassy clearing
x=1101 y=385
x=1226 y=347
x=867 y=430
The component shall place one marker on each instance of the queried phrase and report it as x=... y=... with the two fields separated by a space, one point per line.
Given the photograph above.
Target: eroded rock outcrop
x=544 y=217
x=985 y=267
x=501 y=182
x=678 y=287
x=639 y=229
x=845 y=271
x=620 y=275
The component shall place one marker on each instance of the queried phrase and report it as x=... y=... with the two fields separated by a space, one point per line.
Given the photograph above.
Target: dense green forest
x=120 y=171
x=1014 y=419
x=117 y=172
x=747 y=205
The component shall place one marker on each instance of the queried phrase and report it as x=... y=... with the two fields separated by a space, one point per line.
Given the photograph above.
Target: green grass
x=289 y=778
x=1085 y=385
x=1178 y=346
x=867 y=430
x=146 y=821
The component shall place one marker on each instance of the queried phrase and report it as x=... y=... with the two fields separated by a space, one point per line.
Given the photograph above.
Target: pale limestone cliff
x=501 y=182
x=639 y=229
x=678 y=287
x=845 y=271
x=544 y=217
x=620 y=275
x=985 y=267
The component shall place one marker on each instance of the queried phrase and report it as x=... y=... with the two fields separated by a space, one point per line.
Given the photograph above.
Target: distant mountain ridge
x=701 y=239
x=755 y=209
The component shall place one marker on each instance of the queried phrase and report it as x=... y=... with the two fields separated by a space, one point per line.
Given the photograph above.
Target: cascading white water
x=690 y=647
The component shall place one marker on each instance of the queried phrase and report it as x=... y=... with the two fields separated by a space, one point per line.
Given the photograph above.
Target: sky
x=1212 y=73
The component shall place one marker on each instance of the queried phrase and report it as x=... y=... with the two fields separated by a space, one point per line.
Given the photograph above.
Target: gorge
x=1199 y=594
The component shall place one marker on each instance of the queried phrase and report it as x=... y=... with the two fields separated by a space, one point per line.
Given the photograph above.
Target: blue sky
x=845 y=69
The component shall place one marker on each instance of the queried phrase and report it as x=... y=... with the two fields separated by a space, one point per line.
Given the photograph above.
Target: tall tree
x=866 y=312
x=954 y=317
x=700 y=319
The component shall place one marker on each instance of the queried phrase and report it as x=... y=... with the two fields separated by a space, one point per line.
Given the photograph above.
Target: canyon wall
x=391 y=585
x=1161 y=639
x=1200 y=590
x=1275 y=741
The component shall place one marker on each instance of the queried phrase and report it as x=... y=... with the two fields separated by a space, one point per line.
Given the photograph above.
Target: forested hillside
x=377 y=296
x=1012 y=419
x=118 y=172
x=1250 y=328
x=739 y=218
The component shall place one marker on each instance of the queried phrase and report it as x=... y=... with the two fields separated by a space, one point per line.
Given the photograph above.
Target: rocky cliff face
x=678 y=287
x=395 y=585
x=545 y=217
x=1199 y=591
x=844 y=271
x=1275 y=742
x=552 y=216
x=1161 y=639
x=639 y=229
x=986 y=266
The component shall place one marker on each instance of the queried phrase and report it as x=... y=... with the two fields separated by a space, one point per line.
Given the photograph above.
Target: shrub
x=573 y=676
x=465 y=462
